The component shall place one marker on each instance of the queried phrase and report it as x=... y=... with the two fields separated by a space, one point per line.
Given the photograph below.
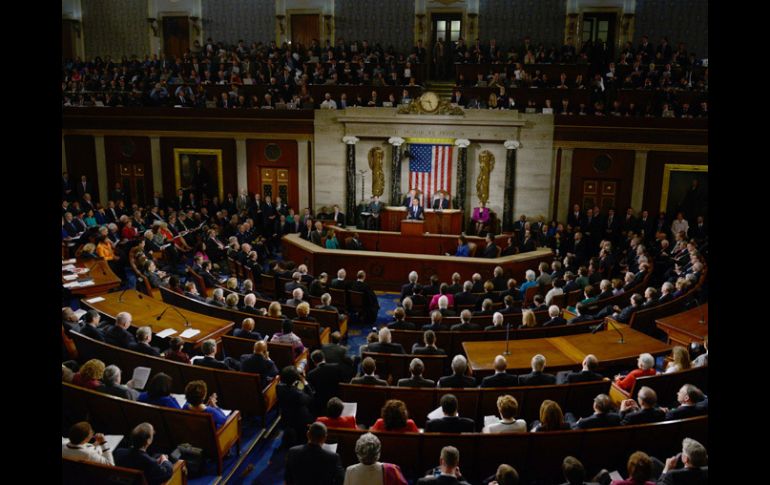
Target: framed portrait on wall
x=685 y=189
x=199 y=170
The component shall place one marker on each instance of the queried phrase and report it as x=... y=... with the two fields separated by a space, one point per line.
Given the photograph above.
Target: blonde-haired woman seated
x=528 y=319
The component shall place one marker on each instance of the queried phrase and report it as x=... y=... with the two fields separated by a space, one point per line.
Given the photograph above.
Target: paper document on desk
x=330 y=447
x=165 y=333
x=68 y=261
x=70 y=277
x=85 y=283
x=72 y=284
x=190 y=332
x=69 y=267
x=437 y=413
x=141 y=374
x=349 y=409
x=95 y=300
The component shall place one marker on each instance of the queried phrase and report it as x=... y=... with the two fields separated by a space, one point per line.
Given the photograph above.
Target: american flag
x=430 y=169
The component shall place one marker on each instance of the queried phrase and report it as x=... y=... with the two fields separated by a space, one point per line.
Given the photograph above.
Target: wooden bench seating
x=235 y=390
x=533 y=455
x=77 y=472
x=474 y=402
x=281 y=354
x=114 y=415
x=393 y=367
x=665 y=385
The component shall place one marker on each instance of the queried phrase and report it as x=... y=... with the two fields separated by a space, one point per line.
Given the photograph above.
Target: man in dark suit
x=490 y=250
x=499 y=279
x=688 y=397
x=384 y=345
x=466 y=297
x=408 y=289
x=269 y=216
x=371 y=304
x=90 y=326
x=142 y=344
x=694 y=461
x=500 y=378
x=67 y=190
x=449 y=469
x=441 y=203
x=575 y=218
x=429 y=338
x=416 y=368
x=84 y=187
x=325 y=379
x=415 y=211
x=339 y=283
x=258 y=362
x=399 y=323
x=209 y=350
x=556 y=319
x=646 y=411
x=156 y=469
x=296 y=282
x=458 y=377
x=587 y=373
x=338 y=217
x=603 y=417
x=247 y=330
x=311 y=463
x=537 y=377
x=408 y=199
x=118 y=333
x=355 y=243
x=369 y=367
x=451 y=422
x=465 y=322
x=582 y=316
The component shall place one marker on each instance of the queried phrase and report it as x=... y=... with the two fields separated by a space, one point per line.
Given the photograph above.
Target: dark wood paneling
x=128 y=149
x=229 y=174
x=305 y=28
x=67 y=39
x=176 y=36
x=256 y=159
x=622 y=170
x=81 y=160
x=190 y=119
x=653 y=177
x=631 y=130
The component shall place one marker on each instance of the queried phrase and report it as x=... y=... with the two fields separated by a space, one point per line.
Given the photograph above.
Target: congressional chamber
x=357 y=242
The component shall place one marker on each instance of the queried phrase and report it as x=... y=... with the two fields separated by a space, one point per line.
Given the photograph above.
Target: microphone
x=702 y=320
x=186 y=321
x=120 y=297
x=615 y=327
x=507 y=334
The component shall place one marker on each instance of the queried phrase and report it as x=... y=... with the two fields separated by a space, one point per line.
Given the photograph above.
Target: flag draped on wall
x=430 y=169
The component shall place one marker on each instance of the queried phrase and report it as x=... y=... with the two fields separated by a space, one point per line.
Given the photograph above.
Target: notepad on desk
x=165 y=333
x=190 y=332
x=69 y=267
x=68 y=261
x=95 y=300
x=70 y=277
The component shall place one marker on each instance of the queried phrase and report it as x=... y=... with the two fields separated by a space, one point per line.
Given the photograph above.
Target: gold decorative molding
x=444 y=108
x=181 y=152
x=673 y=167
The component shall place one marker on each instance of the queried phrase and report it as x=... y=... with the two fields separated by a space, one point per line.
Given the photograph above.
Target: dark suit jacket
x=410 y=213
x=325 y=379
x=311 y=464
x=682 y=412
x=441 y=480
x=457 y=381
x=257 y=364
x=465 y=326
x=685 y=476
x=334 y=353
x=212 y=363
x=555 y=321
x=119 y=336
x=385 y=348
x=450 y=424
x=239 y=332
x=643 y=416
x=407 y=290
x=490 y=251
x=140 y=460
x=501 y=379
x=441 y=204
x=92 y=332
x=419 y=350
x=369 y=381
x=416 y=382
x=583 y=376
x=144 y=348
x=598 y=421
x=464 y=298
x=536 y=379
x=625 y=314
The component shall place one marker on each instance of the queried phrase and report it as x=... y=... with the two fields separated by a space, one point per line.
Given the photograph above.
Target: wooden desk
x=563 y=353
x=101 y=274
x=449 y=221
x=389 y=270
x=683 y=328
x=144 y=311
x=411 y=227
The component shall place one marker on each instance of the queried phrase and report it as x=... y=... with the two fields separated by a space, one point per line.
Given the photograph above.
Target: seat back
x=472 y=247
x=339 y=298
x=75 y=472
x=559 y=300
x=667 y=385
x=268 y=285
x=529 y=295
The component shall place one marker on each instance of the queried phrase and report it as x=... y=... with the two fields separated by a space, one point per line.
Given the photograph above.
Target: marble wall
x=115 y=28
x=231 y=20
x=511 y=20
x=389 y=23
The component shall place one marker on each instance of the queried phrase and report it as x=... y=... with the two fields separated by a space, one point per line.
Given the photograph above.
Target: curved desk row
x=389 y=270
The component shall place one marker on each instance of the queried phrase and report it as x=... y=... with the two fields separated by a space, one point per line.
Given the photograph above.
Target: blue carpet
x=265 y=465
x=357 y=332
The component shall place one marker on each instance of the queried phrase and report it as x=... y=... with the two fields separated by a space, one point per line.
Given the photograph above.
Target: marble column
x=462 y=175
x=101 y=170
x=510 y=182
x=157 y=175
x=637 y=190
x=350 y=189
x=395 y=180
x=241 y=161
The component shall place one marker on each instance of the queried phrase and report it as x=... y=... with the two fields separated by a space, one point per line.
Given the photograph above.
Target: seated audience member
x=551 y=418
x=500 y=378
x=303 y=313
x=505 y=475
x=443 y=291
x=555 y=318
x=209 y=351
x=195 y=393
x=258 y=362
x=602 y=417
x=337 y=353
x=680 y=360
x=465 y=297
x=112 y=386
x=538 y=304
x=399 y=323
x=507 y=408
x=646 y=411
x=408 y=305
x=326 y=304
x=296 y=297
x=79 y=447
x=247 y=330
x=416 y=368
x=586 y=374
x=688 y=398
x=311 y=463
x=458 y=377
x=451 y=422
x=217 y=298
x=231 y=302
x=528 y=319
x=497 y=322
x=395 y=417
x=369 y=378
x=334 y=417
x=537 y=377
x=319 y=286
x=70 y=320
x=557 y=289
x=89 y=375
x=325 y=379
x=90 y=327
x=435 y=322
x=444 y=304
x=639 y=467
x=295 y=398
x=448 y=471
x=486 y=307
x=465 y=322
x=384 y=344
x=645 y=367
x=703 y=359
x=287 y=335
x=574 y=472
x=582 y=316
x=429 y=338
x=508 y=305
x=175 y=351
x=142 y=344
x=158 y=392
x=368 y=470
x=530 y=277
x=694 y=469
x=191 y=291
x=156 y=469
x=118 y=333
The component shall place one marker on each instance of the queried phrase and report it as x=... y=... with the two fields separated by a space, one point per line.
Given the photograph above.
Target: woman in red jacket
x=334 y=418
x=646 y=367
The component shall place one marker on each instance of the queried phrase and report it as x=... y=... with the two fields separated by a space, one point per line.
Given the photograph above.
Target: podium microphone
x=186 y=321
x=507 y=340
x=120 y=297
x=615 y=327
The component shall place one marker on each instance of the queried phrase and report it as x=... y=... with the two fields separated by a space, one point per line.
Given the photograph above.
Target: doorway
x=305 y=28
x=276 y=182
x=447 y=27
x=599 y=28
x=600 y=192
x=132 y=180
x=176 y=36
